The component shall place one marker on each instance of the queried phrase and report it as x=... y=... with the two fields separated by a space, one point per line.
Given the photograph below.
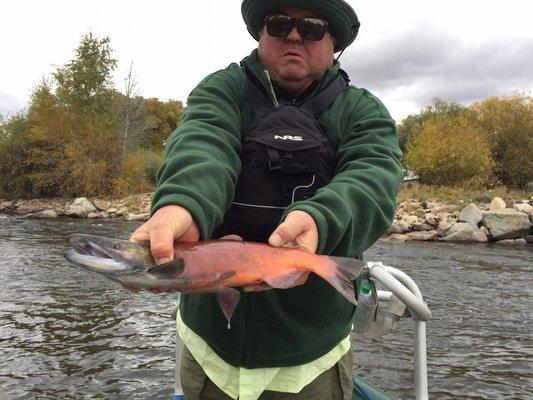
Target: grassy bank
x=459 y=196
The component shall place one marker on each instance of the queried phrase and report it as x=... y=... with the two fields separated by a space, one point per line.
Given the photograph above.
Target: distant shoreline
x=500 y=222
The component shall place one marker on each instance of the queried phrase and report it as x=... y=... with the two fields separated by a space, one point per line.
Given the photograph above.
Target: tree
x=448 y=150
x=413 y=123
x=508 y=124
x=74 y=136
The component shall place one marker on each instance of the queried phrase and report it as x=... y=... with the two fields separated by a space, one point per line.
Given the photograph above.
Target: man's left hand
x=298 y=230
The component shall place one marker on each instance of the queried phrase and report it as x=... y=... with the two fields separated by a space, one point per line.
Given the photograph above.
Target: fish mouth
x=87 y=245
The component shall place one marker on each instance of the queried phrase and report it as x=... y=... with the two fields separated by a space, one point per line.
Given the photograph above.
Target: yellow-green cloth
x=248 y=384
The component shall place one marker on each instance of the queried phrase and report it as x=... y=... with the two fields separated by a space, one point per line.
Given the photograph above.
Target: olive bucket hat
x=341 y=17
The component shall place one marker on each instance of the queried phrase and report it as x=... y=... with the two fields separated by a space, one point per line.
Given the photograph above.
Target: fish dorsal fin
x=228 y=298
x=291 y=279
x=169 y=270
x=236 y=238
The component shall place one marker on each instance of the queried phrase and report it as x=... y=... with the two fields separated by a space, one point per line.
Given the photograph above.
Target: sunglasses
x=308 y=28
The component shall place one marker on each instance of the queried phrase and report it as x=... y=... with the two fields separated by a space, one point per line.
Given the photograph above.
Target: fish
x=215 y=266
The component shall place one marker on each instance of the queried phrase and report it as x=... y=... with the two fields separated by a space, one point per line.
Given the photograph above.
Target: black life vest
x=286 y=157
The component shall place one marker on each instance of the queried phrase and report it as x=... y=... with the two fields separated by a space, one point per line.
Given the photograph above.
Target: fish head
x=109 y=255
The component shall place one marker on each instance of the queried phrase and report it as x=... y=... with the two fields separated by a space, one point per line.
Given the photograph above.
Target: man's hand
x=168 y=224
x=298 y=230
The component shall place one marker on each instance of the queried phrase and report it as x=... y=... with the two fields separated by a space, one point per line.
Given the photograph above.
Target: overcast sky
x=407 y=52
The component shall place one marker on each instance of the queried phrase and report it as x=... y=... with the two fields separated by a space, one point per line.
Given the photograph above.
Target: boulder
x=423 y=235
x=137 y=217
x=45 y=214
x=102 y=205
x=397 y=237
x=471 y=214
x=410 y=220
x=507 y=224
x=497 y=204
x=398 y=227
x=465 y=232
x=7 y=206
x=432 y=219
x=524 y=207
x=80 y=208
x=24 y=210
x=512 y=242
x=422 y=226
x=529 y=239
x=528 y=188
x=98 y=215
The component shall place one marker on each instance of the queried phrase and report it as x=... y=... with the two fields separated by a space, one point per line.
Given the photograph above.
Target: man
x=239 y=164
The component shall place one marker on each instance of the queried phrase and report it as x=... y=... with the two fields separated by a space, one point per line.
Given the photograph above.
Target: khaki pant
x=334 y=384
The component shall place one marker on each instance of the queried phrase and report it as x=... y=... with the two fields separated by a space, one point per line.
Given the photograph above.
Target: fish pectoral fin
x=169 y=270
x=291 y=279
x=236 y=238
x=228 y=298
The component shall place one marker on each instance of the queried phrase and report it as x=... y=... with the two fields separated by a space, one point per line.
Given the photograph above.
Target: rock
x=45 y=214
x=422 y=226
x=112 y=210
x=528 y=188
x=529 y=239
x=507 y=224
x=497 y=204
x=410 y=220
x=80 y=208
x=411 y=206
x=465 y=232
x=471 y=214
x=432 y=219
x=122 y=211
x=396 y=227
x=102 y=205
x=24 y=210
x=443 y=227
x=137 y=217
x=423 y=236
x=7 y=206
x=396 y=237
x=98 y=215
x=512 y=242
x=524 y=207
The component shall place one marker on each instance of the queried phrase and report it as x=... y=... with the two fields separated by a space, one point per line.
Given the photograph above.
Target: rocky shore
x=499 y=222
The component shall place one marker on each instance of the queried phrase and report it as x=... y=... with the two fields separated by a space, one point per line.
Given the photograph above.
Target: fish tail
x=341 y=276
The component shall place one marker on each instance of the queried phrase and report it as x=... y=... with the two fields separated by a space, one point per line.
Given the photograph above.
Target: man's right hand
x=168 y=224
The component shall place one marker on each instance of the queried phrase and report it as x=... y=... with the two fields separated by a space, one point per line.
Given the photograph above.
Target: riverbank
x=504 y=222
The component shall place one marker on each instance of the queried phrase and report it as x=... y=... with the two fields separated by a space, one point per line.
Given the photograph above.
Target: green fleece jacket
x=295 y=326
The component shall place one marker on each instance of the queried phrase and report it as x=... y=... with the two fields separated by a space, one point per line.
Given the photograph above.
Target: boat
x=400 y=299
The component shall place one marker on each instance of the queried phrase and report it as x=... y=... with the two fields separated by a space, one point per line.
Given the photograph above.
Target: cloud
x=10 y=104
x=422 y=63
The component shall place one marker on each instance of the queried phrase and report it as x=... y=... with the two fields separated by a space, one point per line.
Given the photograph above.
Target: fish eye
x=116 y=246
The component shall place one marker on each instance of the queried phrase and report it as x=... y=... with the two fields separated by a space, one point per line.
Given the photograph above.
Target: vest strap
x=319 y=103
x=314 y=106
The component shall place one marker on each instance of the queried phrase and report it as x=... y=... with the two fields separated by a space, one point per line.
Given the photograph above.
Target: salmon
x=215 y=266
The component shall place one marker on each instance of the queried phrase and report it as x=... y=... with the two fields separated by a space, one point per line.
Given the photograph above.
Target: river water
x=68 y=334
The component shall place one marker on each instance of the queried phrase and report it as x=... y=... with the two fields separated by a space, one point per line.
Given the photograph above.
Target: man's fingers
x=142 y=234
x=162 y=244
x=284 y=233
x=298 y=230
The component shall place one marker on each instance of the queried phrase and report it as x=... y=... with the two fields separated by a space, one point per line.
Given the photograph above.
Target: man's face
x=293 y=61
